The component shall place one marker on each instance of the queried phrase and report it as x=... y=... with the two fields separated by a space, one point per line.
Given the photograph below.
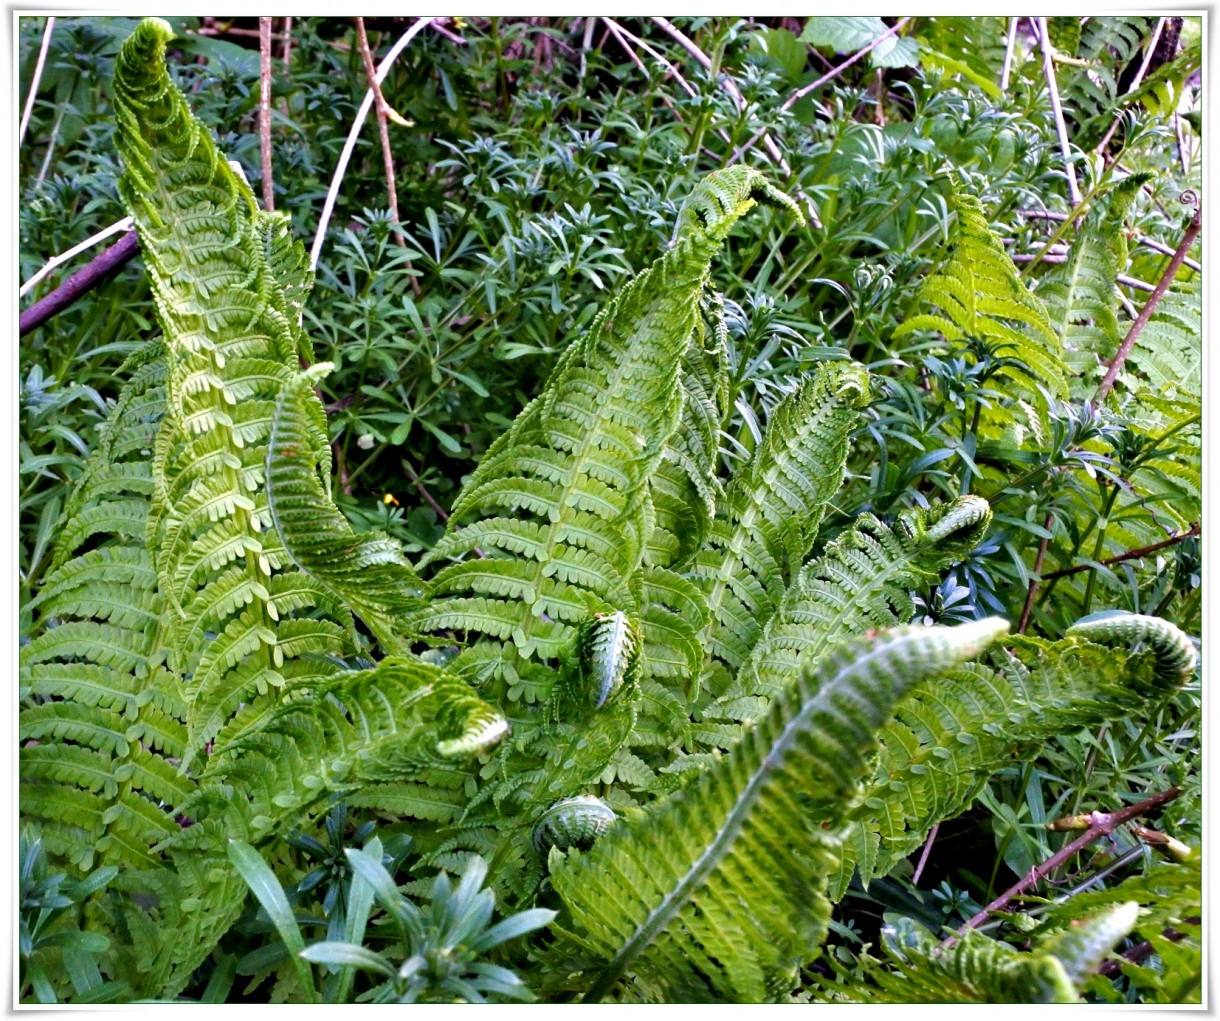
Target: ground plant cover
x=632 y=510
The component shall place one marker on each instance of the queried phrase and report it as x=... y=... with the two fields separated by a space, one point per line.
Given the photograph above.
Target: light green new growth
x=610 y=611
x=981 y=970
x=662 y=898
x=981 y=297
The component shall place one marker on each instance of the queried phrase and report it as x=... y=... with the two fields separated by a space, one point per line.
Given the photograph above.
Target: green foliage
x=51 y=943
x=658 y=899
x=230 y=649
x=981 y=970
x=983 y=299
x=442 y=948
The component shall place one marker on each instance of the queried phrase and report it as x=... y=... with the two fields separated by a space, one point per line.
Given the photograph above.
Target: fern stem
x=1150 y=306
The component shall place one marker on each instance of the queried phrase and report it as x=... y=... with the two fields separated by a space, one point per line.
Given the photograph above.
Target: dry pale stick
x=124 y=224
x=42 y=59
x=362 y=114
x=1048 y=70
x=1135 y=84
x=1009 y=46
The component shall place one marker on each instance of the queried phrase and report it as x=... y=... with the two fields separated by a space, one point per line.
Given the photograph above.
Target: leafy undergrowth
x=879 y=404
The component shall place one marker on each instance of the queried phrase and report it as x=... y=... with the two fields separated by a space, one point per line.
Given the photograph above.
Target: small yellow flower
x=459 y=23
x=390 y=498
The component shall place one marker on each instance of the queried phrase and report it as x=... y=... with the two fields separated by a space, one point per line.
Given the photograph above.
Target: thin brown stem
x=264 y=110
x=1131 y=554
x=1150 y=306
x=730 y=86
x=1033 y=582
x=420 y=488
x=829 y=76
x=1102 y=824
x=287 y=53
x=381 y=108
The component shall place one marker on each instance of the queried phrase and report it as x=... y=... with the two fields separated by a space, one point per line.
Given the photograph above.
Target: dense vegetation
x=574 y=531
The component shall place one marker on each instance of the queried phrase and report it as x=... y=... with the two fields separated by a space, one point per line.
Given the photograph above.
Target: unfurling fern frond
x=976 y=969
x=863 y=581
x=947 y=739
x=981 y=297
x=400 y=720
x=561 y=502
x=717 y=892
x=772 y=508
x=367 y=572
x=1080 y=294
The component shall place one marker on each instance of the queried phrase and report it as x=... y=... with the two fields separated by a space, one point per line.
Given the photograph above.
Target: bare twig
x=726 y=82
x=1150 y=306
x=1179 y=137
x=1135 y=84
x=287 y=55
x=453 y=37
x=358 y=123
x=585 y=43
x=621 y=33
x=1058 y=258
x=1142 y=951
x=1102 y=825
x=1131 y=554
x=46 y=159
x=264 y=110
x=97 y=272
x=420 y=488
x=1033 y=583
x=37 y=79
x=1009 y=46
x=1048 y=70
x=387 y=154
x=1156 y=246
x=830 y=75
x=72 y=253
x=927 y=850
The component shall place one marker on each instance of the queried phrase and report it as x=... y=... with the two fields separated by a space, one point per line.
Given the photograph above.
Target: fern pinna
x=618 y=673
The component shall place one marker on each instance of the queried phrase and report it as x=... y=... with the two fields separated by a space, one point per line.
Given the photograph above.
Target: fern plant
x=618 y=678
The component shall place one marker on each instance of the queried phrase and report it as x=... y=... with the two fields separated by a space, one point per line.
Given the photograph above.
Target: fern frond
x=368 y=573
x=981 y=970
x=1080 y=294
x=981 y=296
x=862 y=581
x=577 y=463
x=666 y=897
x=773 y=506
x=1169 y=351
x=945 y=741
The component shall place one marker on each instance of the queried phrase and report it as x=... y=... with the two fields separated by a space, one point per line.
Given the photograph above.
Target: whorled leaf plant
x=617 y=673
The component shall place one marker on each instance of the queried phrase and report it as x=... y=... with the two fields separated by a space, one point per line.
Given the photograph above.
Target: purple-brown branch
x=92 y=275
x=1103 y=824
x=1150 y=306
x=1131 y=554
